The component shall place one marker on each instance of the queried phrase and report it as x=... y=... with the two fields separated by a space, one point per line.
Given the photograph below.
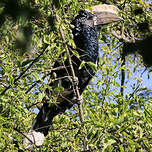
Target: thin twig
x=76 y=89
x=131 y=95
x=38 y=81
x=23 y=72
x=70 y=62
x=124 y=5
x=122 y=37
x=122 y=76
x=25 y=136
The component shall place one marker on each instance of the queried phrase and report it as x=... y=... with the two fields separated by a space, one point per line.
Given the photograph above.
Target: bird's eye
x=90 y=17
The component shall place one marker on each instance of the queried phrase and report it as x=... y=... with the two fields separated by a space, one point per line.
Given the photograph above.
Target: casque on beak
x=105 y=14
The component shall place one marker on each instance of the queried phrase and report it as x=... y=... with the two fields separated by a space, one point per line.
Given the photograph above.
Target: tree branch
x=53 y=109
x=23 y=72
x=72 y=69
x=123 y=37
x=122 y=77
x=76 y=89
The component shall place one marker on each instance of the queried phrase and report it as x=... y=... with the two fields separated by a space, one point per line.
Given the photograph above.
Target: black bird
x=86 y=41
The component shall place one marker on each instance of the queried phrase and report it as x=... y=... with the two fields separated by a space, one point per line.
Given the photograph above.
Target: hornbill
x=85 y=34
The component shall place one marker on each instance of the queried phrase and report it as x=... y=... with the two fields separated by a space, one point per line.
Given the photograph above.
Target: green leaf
x=59 y=88
x=76 y=53
x=82 y=65
x=109 y=143
x=2 y=71
x=26 y=62
x=121 y=148
x=93 y=66
x=46 y=39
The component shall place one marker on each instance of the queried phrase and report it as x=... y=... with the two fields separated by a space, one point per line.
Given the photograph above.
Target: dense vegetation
x=117 y=108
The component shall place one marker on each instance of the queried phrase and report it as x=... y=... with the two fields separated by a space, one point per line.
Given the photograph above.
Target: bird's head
x=84 y=18
x=102 y=14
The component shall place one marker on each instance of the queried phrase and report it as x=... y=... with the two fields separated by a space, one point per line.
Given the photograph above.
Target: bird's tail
x=39 y=128
x=42 y=122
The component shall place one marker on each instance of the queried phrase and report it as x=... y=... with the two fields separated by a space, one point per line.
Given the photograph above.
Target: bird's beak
x=106 y=18
x=105 y=14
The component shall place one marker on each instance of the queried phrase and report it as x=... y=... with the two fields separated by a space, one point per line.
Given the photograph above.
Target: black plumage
x=85 y=38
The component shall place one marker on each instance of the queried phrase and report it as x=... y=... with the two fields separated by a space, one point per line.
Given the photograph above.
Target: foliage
x=31 y=42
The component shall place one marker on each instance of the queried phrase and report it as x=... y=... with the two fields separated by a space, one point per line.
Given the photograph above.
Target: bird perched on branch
x=86 y=41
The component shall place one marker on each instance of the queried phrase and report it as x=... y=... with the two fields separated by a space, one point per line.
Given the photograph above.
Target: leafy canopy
x=30 y=43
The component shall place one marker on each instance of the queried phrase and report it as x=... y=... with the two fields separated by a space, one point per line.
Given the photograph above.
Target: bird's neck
x=87 y=43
